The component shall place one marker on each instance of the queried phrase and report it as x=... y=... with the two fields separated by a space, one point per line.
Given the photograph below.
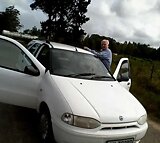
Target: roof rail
x=16 y=34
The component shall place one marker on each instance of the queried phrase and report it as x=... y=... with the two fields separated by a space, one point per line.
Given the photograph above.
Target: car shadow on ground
x=18 y=125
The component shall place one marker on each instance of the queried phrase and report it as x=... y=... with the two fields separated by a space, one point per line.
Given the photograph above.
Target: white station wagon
x=77 y=98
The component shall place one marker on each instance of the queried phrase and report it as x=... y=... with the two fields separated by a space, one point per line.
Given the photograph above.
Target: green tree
x=94 y=42
x=158 y=53
x=65 y=19
x=10 y=20
x=126 y=48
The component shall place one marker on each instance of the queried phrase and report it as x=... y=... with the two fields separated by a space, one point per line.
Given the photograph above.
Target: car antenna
x=47 y=41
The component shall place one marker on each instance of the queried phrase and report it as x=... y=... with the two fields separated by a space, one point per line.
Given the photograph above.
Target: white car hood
x=107 y=99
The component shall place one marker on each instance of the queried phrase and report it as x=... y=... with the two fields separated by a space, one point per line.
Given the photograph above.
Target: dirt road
x=153 y=133
x=19 y=125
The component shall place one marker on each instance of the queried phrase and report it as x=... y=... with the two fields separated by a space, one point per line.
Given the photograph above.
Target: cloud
x=32 y=18
x=123 y=20
x=128 y=8
x=28 y=17
x=20 y=5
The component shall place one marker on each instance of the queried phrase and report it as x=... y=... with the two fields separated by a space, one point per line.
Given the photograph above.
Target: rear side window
x=34 y=48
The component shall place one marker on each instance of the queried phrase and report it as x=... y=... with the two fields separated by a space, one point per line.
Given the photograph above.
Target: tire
x=45 y=127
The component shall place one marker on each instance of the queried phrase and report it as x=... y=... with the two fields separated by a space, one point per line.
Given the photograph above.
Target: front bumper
x=69 y=134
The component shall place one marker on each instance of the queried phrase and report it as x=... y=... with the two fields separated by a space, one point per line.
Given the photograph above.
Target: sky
x=123 y=20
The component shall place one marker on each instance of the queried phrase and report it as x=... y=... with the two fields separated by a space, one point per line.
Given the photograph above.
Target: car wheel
x=45 y=127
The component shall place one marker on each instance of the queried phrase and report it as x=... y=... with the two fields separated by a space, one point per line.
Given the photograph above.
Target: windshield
x=78 y=65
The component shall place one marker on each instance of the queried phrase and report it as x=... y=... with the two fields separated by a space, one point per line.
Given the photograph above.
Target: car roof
x=68 y=47
x=61 y=46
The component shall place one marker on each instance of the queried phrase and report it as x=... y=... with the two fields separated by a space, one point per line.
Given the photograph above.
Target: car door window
x=12 y=57
x=43 y=56
x=124 y=72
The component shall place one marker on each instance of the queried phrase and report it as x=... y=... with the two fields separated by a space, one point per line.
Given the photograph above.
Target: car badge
x=121 y=118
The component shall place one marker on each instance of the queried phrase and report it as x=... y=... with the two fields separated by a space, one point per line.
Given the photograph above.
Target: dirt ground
x=18 y=125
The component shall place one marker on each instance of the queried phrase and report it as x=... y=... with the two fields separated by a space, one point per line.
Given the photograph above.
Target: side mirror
x=31 y=71
x=123 y=78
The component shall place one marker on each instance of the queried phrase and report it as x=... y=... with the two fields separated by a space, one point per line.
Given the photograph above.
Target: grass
x=145 y=87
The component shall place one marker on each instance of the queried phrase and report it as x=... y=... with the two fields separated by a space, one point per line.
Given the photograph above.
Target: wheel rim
x=44 y=126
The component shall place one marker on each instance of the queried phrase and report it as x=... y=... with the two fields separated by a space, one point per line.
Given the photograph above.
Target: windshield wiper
x=100 y=77
x=81 y=74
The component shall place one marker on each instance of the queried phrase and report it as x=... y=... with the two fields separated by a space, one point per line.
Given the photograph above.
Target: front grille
x=117 y=128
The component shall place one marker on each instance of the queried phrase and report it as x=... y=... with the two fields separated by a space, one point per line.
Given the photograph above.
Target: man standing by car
x=105 y=55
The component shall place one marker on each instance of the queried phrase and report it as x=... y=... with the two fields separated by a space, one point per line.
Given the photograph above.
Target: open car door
x=122 y=73
x=20 y=74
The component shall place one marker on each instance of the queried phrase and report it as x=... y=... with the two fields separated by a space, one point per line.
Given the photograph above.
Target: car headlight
x=79 y=121
x=142 y=119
